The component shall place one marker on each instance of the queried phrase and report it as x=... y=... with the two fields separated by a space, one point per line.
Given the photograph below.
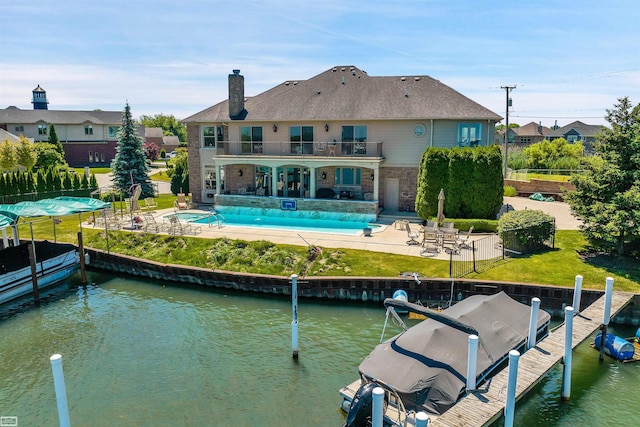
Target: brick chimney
x=236 y=96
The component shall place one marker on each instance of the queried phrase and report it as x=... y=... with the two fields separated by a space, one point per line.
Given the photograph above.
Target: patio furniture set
x=434 y=239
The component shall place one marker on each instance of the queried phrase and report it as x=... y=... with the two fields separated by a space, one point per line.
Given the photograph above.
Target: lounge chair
x=108 y=219
x=430 y=242
x=413 y=235
x=463 y=240
x=181 y=202
x=151 y=225
x=149 y=204
x=179 y=228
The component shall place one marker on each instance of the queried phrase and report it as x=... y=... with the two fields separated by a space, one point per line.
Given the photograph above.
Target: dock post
x=606 y=314
x=422 y=419
x=533 y=322
x=472 y=362
x=34 y=274
x=294 y=322
x=509 y=408
x=568 y=347
x=377 y=413
x=61 y=392
x=83 y=272
x=577 y=290
x=5 y=238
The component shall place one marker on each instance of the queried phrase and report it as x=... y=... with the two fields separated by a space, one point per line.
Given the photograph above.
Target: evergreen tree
x=41 y=186
x=607 y=195
x=93 y=183
x=130 y=165
x=67 y=181
x=85 y=181
x=53 y=140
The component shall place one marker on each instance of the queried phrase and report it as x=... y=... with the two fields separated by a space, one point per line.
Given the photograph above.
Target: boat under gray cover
x=427 y=364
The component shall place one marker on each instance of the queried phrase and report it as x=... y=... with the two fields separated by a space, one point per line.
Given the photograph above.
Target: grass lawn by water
x=555 y=267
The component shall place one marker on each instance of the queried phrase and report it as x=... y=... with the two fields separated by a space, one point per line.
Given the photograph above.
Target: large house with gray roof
x=89 y=138
x=343 y=138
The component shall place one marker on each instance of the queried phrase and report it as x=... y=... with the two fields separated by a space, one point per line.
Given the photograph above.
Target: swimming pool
x=318 y=222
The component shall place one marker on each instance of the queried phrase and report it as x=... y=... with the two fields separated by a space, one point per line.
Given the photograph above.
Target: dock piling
x=509 y=409
x=533 y=322
x=61 y=392
x=472 y=362
x=568 y=348
x=34 y=275
x=294 y=322
x=606 y=314
x=577 y=291
x=377 y=412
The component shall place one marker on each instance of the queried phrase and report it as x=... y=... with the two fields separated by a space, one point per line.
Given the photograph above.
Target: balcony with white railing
x=298 y=149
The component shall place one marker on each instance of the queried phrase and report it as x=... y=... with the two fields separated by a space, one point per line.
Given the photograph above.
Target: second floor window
x=301 y=138
x=469 y=134
x=19 y=128
x=42 y=129
x=113 y=131
x=251 y=138
x=209 y=136
x=88 y=130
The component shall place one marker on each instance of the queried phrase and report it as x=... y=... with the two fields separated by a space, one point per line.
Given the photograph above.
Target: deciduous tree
x=7 y=155
x=169 y=124
x=26 y=154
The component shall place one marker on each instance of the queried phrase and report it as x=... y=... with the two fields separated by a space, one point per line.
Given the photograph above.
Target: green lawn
x=93 y=170
x=555 y=267
x=521 y=176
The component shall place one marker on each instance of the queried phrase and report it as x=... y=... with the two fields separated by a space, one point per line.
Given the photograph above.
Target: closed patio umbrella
x=441 y=216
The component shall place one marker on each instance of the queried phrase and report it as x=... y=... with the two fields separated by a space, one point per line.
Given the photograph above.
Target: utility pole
x=507 y=89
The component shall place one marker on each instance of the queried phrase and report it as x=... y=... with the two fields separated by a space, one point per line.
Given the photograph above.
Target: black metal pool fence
x=482 y=253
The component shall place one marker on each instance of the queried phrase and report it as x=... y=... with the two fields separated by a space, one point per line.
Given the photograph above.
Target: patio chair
x=463 y=240
x=175 y=227
x=149 y=204
x=151 y=225
x=108 y=218
x=413 y=235
x=450 y=237
x=180 y=202
x=430 y=242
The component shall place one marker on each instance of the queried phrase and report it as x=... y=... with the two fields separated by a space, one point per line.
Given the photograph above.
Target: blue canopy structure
x=59 y=206
x=5 y=221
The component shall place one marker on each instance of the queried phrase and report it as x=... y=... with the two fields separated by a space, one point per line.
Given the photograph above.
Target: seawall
x=369 y=290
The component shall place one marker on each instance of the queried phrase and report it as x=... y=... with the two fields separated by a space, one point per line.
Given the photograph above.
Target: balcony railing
x=298 y=149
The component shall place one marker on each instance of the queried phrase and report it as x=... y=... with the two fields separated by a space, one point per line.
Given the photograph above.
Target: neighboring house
x=88 y=137
x=577 y=131
x=341 y=134
x=154 y=136
x=8 y=136
x=170 y=143
x=529 y=133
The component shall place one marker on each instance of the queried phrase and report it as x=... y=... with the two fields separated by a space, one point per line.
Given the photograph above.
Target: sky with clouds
x=570 y=60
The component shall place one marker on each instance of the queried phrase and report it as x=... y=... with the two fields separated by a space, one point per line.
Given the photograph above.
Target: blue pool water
x=319 y=222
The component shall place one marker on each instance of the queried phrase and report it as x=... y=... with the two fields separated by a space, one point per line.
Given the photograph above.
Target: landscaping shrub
x=526 y=230
x=510 y=191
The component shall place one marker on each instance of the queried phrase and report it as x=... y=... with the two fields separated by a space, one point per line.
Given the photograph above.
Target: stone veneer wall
x=361 y=290
x=408 y=185
x=195 y=177
x=329 y=205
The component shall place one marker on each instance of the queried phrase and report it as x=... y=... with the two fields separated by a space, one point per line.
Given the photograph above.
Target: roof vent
x=343 y=80
x=406 y=93
x=342 y=69
x=318 y=93
x=334 y=69
x=286 y=83
x=295 y=83
x=236 y=72
x=416 y=78
x=403 y=78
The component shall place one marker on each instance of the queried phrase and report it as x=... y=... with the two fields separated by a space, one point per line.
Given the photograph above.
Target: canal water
x=144 y=354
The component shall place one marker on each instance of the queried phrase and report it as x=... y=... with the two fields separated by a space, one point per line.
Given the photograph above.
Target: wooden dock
x=486 y=405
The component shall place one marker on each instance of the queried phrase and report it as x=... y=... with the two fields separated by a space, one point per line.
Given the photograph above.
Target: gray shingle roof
x=348 y=93
x=582 y=128
x=59 y=117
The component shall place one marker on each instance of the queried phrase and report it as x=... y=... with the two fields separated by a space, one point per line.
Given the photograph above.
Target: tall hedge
x=488 y=182
x=471 y=178
x=432 y=176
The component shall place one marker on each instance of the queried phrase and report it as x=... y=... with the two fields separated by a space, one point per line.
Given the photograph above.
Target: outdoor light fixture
x=324 y=175
x=326 y=127
x=372 y=177
x=275 y=128
x=239 y=172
